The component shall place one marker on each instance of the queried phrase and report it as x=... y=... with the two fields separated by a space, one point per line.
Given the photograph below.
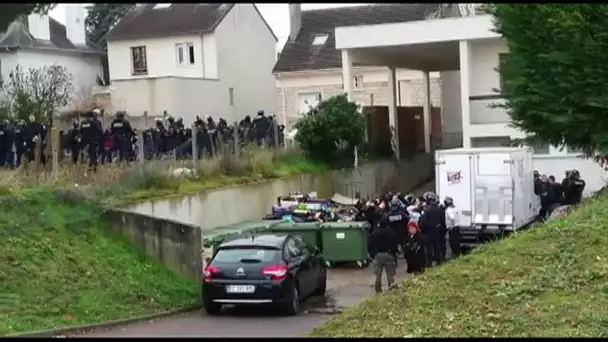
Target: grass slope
x=60 y=267
x=551 y=281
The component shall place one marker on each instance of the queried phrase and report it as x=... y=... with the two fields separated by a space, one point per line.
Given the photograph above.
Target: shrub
x=331 y=130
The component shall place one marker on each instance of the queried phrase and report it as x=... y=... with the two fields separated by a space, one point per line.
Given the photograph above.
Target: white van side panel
x=453 y=178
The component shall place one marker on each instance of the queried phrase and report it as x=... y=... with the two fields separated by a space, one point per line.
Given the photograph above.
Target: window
x=320 y=39
x=574 y=150
x=307 y=101
x=185 y=53
x=540 y=148
x=140 y=63
x=502 y=60
x=252 y=254
x=292 y=251
x=358 y=82
x=490 y=141
x=302 y=245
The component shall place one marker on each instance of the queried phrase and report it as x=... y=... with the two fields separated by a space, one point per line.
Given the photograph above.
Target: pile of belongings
x=298 y=207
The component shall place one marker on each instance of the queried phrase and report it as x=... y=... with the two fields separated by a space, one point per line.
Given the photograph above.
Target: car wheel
x=322 y=285
x=212 y=308
x=292 y=306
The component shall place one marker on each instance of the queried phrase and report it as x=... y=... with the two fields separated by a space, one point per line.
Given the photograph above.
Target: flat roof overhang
x=431 y=45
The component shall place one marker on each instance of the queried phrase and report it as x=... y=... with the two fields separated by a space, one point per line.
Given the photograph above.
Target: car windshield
x=246 y=254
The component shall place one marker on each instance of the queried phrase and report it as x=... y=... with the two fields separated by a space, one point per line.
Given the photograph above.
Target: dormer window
x=320 y=39
x=162 y=6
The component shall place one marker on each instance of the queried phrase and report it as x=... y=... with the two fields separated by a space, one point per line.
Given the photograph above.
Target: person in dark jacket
x=414 y=252
x=384 y=252
x=433 y=228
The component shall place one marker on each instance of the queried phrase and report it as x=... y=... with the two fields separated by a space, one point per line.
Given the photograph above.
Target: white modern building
x=39 y=40
x=309 y=66
x=192 y=59
x=467 y=53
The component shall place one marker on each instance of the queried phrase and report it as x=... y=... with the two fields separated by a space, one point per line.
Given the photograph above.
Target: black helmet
x=574 y=173
x=537 y=174
x=448 y=201
x=431 y=198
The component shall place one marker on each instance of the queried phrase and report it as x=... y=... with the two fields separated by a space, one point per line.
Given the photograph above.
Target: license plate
x=240 y=288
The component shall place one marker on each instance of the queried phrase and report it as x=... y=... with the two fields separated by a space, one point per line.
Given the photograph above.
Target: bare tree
x=36 y=94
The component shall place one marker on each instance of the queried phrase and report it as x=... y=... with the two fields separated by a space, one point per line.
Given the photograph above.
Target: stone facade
x=410 y=93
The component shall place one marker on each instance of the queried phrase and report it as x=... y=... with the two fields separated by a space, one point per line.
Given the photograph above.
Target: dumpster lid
x=296 y=225
x=345 y=225
x=249 y=225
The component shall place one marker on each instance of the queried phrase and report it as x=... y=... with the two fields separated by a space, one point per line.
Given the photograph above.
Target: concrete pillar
x=347 y=74
x=465 y=108
x=426 y=110
x=393 y=120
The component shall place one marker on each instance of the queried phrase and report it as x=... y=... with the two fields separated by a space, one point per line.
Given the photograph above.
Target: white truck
x=492 y=188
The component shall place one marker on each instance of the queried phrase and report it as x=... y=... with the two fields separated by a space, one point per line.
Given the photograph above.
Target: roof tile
x=301 y=55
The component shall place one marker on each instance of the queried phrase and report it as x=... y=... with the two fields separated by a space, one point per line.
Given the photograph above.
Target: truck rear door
x=493 y=189
x=453 y=177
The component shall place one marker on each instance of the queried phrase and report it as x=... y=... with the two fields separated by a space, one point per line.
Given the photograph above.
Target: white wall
x=246 y=50
x=450 y=102
x=84 y=68
x=334 y=77
x=161 y=55
x=484 y=60
x=483 y=79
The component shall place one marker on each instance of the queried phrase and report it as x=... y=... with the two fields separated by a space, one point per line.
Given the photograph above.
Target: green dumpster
x=309 y=231
x=214 y=237
x=345 y=242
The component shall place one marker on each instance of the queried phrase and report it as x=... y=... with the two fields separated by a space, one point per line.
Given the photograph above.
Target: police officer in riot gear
x=574 y=186
x=19 y=141
x=92 y=132
x=74 y=141
x=384 y=251
x=122 y=131
x=260 y=126
x=397 y=218
x=432 y=224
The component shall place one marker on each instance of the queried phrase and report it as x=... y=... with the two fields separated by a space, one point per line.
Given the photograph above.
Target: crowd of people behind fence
x=170 y=138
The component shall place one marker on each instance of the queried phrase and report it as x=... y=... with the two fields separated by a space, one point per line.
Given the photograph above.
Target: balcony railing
x=482 y=111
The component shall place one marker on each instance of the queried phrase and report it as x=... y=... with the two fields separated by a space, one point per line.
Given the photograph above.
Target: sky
x=276 y=15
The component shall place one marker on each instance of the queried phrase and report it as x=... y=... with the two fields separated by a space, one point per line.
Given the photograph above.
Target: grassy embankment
x=60 y=266
x=551 y=281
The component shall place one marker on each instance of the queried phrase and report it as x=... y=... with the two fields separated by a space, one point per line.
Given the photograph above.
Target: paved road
x=345 y=288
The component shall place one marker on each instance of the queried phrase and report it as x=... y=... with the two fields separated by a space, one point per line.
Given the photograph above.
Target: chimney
x=38 y=26
x=295 y=20
x=74 y=24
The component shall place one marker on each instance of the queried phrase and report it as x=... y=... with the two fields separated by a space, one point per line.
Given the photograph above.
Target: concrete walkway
x=345 y=288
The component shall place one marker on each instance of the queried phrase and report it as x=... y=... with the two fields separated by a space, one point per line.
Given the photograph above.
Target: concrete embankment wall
x=177 y=245
x=215 y=208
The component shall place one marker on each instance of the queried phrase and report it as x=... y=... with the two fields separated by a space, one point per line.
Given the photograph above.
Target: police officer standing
x=74 y=141
x=384 y=252
x=4 y=142
x=574 y=186
x=397 y=220
x=92 y=132
x=122 y=132
x=451 y=223
x=433 y=228
x=260 y=126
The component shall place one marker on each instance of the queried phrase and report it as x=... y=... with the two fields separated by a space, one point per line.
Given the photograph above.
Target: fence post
x=140 y=146
x=194 y=145
x=55 y=152
x=236 y=138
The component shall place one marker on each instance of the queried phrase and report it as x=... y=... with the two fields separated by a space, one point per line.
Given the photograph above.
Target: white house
x=192 y=59
x=467 y=52
x=309 y=67
x=40 y=41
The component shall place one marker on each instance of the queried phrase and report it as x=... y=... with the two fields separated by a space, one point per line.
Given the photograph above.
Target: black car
x=272 y=269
